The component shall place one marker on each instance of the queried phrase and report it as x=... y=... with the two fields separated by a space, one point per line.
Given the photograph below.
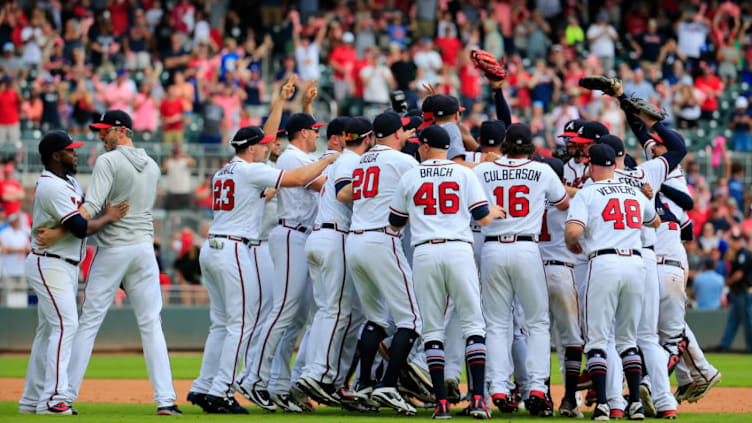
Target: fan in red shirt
x=449 y=47
x=11 y=192
x=171 y=110
x=712 y=87
x=119 y=12
x=342 y=60
x=10 y=104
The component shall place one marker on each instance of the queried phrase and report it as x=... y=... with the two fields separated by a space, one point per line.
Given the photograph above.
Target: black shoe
x=223 y=405
x=171 y=410
x=197 y=398
x=442 y=411
x=569 y=408
x=539 y=405
x=601 y=412
x=501 y=401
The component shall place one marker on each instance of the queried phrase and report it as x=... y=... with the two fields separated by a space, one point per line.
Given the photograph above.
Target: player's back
x=374 y=181
x=296 y=204
x=332 y=210
x=552 y=244
x=56 y=200
x=237 y=194
x=438 y=197
x=575 y=174
x=612 y=214
x=521 y=187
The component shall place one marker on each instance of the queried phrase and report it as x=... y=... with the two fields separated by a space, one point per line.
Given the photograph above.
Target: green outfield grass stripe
x=736 y=368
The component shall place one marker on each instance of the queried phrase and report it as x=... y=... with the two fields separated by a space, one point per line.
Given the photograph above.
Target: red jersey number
x=224 y=195
x=631 y=215
x=518 y=206
x=449 y=202
x=544 y=235
x=365 y=183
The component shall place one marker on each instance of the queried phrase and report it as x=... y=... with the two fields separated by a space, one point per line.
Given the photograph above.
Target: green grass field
x=736 y=368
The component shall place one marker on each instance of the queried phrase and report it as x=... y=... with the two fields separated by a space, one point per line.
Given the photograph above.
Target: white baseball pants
x=673 y=302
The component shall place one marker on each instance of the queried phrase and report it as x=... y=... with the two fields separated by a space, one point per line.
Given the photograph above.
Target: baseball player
x=297 y=210
x=610 y=214
x=440 y=197
x=377 y=264
x=564 y=300
x=52 y=272
x=511 y=264
x=125 y=255
x=325 y=251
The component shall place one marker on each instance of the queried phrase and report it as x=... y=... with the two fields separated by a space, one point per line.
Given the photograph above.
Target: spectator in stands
x=176 y=58
x=145 y=110
x=712 y=87
x=230 y=97
x=738 y=280
x=708 y=240
x=136 y=43
x=172 y=112
x=34 y=40
x=203 y=196
x=11 y=191
x=602 y=38
x=51 y=99
x=728 y=41
x=255 y=87
x=746 y=226
x=15 y=246
x=687 y=103
x=671 y=61
x=692 y=32
x=405 y=74
x=574 y=35
x=647 y=44
x=10 y=105
x=538 y=32
x=9 y=62
x=185 y=91
x=428 y=62
x=102 y=43
x=307 y=50
x=425 y=15
x=741 y=123
x=82 y=103
x=31 y=108
x=637 y=86
x=448 y=45
x=736 y=183
x=119 y=94
x=342 y=60
x=378 y=82
x=177 y=167
x=708 y=287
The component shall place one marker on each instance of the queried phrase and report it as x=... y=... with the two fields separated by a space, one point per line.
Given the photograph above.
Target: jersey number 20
x=365 y=183
x=449 y=202
x=224 y=195
x=613 y=213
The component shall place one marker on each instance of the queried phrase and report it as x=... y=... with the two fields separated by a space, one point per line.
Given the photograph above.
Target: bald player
x=440 y=198
x=610 y=215
x=511 y=264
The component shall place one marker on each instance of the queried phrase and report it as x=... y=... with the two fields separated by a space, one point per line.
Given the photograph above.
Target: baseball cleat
x=171 y=410
x=684 y=391
x=601 y=413
x=538 y=404
x=223 y=405
x=73 y=410
x=260 y=397
x=320 y=392
x=412 y=386
x=667 y=414
x=301 y=399
x=26 y=409
x=442 y=411
x=647 y=400
x=197 y=398
x=284 y=402
x=569 y=409
x=59 y=409
x=389 y=397
x=453 y=391
x=348 y=402
x=501 y=401
x=635 y=411
x=701 y=389
x=616 y=414
x=478 y=408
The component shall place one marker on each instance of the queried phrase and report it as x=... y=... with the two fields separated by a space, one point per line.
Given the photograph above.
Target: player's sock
x=572 y=364
x=436 y=359
x=369 y=346
x=475 y=356
x=632 y=364
x=402 y=343
x=597 y=367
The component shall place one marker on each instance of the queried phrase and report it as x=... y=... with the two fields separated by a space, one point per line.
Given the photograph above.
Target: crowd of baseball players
x=406 y=253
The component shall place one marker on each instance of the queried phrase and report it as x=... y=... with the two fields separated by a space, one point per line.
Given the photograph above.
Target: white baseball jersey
x=521 y=187
x=238 y=204
x=612 y=214
x=297 y=204
x=374 y=180
x=574 y=173
x=552 y=244
x=652 y=172
x=55 y=201
x=332 y=210
x=668 y=235
x=438 y=197
x=269 y=221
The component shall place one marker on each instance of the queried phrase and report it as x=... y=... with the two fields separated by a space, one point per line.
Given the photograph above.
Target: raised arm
x=275 y=112
x=681 y=198
x=503 y=113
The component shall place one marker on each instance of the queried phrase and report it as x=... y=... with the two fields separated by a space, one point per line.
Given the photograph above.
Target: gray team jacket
x=124 y=174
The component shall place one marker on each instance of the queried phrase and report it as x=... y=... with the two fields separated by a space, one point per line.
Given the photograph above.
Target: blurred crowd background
x=192 y=72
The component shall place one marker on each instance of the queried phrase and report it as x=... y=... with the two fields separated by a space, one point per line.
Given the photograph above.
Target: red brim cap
x=100 y=126
x=427 y=115
x=405 y=120
x=425 y=124
x=267 y=139
x=655 y=137
x=462 y=109
x=318 y=125
x=580 y=140
x=568 y=134
x=74 y=144
x=413 y=140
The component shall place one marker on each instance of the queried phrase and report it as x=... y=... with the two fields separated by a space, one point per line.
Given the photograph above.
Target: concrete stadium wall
x=186 y=329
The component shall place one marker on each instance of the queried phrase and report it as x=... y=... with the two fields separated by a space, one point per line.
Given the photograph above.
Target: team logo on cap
x=608 y=163
x=569 y=126
x=579 y=131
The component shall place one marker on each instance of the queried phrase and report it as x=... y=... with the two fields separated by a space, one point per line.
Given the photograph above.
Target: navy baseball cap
x=571 y=128
x=388 y=123
x=55 y=141
x=357 y=128
x=602 y=155
x=414 y=122
x=337 y=126
x=251 y=135
x=112 y=119
x=589 y=132
x=492 y=132
x=615 y=142
x=436 y=137
x=519 y=133
x=300 y=121
x=445 y=105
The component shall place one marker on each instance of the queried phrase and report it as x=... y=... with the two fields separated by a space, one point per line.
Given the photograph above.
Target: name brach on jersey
x=505 y=174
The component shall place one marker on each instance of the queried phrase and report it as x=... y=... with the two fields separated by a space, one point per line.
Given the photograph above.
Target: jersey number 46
x=448 y=201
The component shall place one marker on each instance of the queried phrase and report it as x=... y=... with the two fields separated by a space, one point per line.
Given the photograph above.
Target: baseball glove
x=636 y=105
x=602 y=83
x=493 y=69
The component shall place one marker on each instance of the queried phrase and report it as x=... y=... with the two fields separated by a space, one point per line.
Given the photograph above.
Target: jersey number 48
x=613 y=213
